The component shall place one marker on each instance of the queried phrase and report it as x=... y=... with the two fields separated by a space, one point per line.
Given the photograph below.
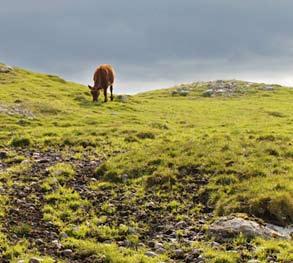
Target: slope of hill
x=143 y=178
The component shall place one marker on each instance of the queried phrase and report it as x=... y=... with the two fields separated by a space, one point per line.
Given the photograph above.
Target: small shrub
x=226 y=180
x=16 y=250
x=272 y=152
x=133 y=240
x=130 y=139
x=281 y=206
x=161 y=126
x=56 y=78
x=270 y=138
x=145 y=135
x=69 y=141
x=173 y=205
x=159 y=178
x=276 y=114
x=47 y=109
x=62 y=172
x=20 y=142
x=101 y=170
x=22 y=230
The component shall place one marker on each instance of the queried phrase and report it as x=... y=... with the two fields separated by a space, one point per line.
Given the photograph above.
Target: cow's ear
x=90 y=87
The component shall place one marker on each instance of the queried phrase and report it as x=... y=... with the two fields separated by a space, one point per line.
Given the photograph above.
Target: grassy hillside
x=85 y=182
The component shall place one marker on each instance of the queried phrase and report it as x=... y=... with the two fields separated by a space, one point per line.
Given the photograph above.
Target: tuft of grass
x=62 y=171
x=65 y=206
x=282 y=250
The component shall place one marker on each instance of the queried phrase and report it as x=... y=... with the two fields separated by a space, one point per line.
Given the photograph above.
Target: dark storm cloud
x=149 y=42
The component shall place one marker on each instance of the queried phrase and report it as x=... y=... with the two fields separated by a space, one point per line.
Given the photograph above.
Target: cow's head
x=95 y=92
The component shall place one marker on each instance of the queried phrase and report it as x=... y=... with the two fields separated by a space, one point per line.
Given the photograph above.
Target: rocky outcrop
x=230 y=226
x=5 y=69
x=221 y=87
x=232 y=87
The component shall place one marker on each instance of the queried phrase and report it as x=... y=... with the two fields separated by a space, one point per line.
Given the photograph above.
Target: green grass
x=241 y=145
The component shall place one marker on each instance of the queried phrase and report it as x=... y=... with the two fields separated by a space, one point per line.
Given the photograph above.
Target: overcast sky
x=153 y=43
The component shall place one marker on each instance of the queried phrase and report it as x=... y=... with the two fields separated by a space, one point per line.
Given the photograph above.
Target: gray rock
x=180 y=91
x=179 y=253
x=174 y=92
x=120 y=243
x=193 y=256
x=231 y=226
x=124 y=178
x=268 y=88
x=63 y=235
x=181 y=224
x=40 y=241
x=196 y=252
x=158 y=245
x=200 y=259
x=207 y=93
x=150 y=254
x=67 y=252
x=131 y=230
x=5 y=69
x=43 y=160
x=215 y=244
x=35 y=260
x=183 y=92
x=221 y=91
x=161 y=250
x=57 y=244
x=285 y=231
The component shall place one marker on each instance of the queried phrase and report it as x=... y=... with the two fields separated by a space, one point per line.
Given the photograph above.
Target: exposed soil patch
x=24 y=217
x=157 y=216
x=160 y=223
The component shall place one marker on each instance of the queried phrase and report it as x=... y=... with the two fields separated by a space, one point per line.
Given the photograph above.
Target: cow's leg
x=105 y=94
x=111 y=90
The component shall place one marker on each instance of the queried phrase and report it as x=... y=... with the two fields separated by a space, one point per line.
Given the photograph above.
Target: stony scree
x=221 y=88
x=228 y=88
x=16 y=110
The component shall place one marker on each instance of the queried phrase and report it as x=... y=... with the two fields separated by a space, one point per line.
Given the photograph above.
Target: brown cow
x=103 y=78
